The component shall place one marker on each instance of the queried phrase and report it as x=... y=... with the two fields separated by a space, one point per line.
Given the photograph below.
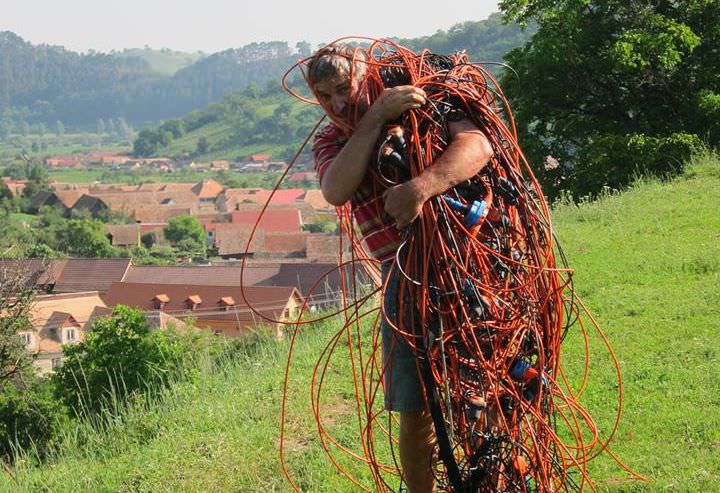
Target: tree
x=202 y=146
x=100 y=126
x=187 y=234
x=59 y=128
x=17 y=291
x=84 y=238
x=609 y=88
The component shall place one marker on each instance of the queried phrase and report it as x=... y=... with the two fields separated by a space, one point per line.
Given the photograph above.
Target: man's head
x=334 y=73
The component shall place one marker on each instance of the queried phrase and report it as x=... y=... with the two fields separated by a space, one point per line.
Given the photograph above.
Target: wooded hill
x=46 y=84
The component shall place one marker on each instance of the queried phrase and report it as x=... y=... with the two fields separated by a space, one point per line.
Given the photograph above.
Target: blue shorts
x=403 y=389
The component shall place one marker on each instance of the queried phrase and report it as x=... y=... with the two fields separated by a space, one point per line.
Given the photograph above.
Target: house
x=320 y=282
x=260 y=158
x=226 y=310
x=88 y=204
x=126 y=235
x=207 y=191
x=15 y=187
x=303 y=176
x=46 y=198
x=220 y=164
x=285 y=220
x=59 y=319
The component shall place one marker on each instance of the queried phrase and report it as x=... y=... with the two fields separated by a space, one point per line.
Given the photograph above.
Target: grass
x=647 y=264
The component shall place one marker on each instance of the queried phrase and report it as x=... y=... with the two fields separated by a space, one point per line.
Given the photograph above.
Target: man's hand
x=404 y=202
x=394 y=101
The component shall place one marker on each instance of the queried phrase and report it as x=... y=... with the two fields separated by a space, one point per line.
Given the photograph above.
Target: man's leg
x=417 y=441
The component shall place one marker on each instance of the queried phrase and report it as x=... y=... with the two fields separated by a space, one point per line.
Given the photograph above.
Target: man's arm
x=468 y=152
x=348 y=169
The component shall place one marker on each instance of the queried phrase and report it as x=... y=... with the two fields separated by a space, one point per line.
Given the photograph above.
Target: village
x=266 y=263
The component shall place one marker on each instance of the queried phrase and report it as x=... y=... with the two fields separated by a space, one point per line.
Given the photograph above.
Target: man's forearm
x=344 y=175
x=467 y=154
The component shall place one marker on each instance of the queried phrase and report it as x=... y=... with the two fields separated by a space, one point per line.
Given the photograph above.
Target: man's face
x=335 y=93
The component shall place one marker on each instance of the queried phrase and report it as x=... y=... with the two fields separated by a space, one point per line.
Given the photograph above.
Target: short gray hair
x=335 y=60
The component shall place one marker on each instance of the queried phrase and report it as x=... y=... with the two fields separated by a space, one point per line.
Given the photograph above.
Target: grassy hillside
x=648 y=265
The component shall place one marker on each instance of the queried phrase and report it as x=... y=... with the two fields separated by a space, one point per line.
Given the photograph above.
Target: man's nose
x=338 y=104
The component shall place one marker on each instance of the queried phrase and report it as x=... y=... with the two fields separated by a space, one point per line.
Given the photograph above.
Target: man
x=342 y=163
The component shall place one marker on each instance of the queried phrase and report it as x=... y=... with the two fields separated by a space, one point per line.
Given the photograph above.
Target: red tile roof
x=207 y=189
x=90 y=274
x=271 y=221
x=216 y=275
x=269 y=301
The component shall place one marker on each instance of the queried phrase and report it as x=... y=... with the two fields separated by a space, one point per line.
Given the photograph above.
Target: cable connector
x=473 y=214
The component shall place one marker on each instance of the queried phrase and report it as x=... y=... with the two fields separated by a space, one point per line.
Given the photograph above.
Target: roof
x=89 y=202
x=196 y=299
x=124 y=234
x=260 y=157
x=271 y=220
x=233 y=239
x=160 y=213
x=234 y=196
x=207 y=189
x=68 y=197
x=287 y=244
x=90 y=274
x=45 y=197
x=34 y=271
x=218 y=275
x=302 y=275
x=323 y=247
x=269 y=301
x=316 y=199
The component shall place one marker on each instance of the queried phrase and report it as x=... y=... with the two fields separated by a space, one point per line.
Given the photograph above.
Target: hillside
x=233 y=132
x=46 y=84
x=647 y=263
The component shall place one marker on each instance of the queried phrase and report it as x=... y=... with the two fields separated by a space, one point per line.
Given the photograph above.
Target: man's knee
x=417 y=426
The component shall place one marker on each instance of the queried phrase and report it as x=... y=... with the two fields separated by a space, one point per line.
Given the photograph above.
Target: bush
x=122 y=357
x=31 y=418
x=615 y=160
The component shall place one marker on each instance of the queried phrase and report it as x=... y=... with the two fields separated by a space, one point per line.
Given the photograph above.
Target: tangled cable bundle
x=481 y=301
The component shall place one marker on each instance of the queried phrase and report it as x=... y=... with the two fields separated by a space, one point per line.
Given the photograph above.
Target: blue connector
x=473 y=213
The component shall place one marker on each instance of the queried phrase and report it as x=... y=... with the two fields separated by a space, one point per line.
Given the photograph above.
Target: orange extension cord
x=481 y=301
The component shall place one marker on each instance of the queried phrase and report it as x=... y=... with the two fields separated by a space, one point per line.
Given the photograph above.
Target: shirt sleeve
x=328 y=143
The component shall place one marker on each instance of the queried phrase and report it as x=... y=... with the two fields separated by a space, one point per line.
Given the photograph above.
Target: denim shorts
x=403 y=389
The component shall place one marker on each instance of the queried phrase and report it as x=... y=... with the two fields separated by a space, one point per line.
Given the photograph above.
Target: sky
x=214 y=25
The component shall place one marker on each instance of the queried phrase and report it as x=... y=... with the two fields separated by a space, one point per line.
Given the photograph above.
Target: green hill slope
x=648 y=265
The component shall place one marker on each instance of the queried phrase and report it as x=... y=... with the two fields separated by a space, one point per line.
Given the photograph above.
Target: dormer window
x=70 y=335
x=160 y=300
x=226 y=302
x=26 y=338
x=193 y=301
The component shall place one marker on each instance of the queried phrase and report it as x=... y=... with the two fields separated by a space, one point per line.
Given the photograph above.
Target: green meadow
x=647 y=265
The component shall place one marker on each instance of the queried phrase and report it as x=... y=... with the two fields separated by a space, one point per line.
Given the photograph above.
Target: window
x=70 y=335
x=26 y=338
x=56 y=363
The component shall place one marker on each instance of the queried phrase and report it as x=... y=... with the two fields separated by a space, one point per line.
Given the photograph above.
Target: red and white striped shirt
x=368 y=208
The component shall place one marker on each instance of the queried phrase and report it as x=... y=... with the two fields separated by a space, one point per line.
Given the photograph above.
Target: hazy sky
x=213 y=25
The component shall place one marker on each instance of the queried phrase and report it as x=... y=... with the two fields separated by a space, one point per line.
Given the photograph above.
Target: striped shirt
x=368 y=208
